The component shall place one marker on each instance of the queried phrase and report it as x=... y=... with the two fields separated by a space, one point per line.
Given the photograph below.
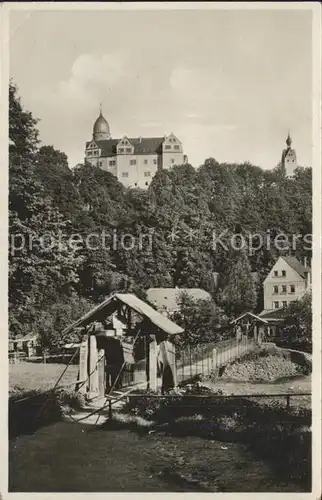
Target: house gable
x=282 y=265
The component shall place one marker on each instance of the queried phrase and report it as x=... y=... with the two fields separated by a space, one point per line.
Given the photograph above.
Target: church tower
x=101 y=129
x=289 y=158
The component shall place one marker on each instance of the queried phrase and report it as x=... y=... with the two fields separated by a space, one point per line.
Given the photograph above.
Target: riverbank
x=267 y=364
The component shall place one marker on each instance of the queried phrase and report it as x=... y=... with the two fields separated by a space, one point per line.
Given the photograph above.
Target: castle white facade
x=134 y=161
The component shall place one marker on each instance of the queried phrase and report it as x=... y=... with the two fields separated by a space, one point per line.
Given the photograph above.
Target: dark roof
x=297 y=266
x=273 y=314
x=143 y=145
x=111 y=304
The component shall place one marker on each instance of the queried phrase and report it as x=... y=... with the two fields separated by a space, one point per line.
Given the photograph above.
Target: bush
x=30 y=410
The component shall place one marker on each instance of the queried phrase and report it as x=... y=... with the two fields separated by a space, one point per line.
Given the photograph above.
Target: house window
x=284 y=303
x=147 y=174
x=275 y=289
x=145 y=162
x=177 y=147
x=125 y=174
x=275 y=273
x=146 y=183
x=155 y=161
x=167 y=146
x=292 y=287
x=284 y=289
x=132 y=162
x=100 y=163
x=112 y=162
x=172 y=160
x=284 y=274
x=276 y=305
x=128 y=150
x=121 y=150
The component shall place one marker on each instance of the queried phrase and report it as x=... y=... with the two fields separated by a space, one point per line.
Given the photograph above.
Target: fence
x=193 y=361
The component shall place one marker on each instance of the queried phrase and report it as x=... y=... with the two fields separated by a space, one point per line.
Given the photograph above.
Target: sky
x=228 y=83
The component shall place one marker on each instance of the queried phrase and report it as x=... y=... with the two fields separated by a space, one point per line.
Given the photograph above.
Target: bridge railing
x=193 y=361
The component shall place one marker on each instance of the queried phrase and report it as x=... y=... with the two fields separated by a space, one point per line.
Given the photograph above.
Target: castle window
x=125 y=174
x=145 y=162
x=167 y=146
x=132 y=162
x=292 y=288
x=276 y=304
x=147 y=174
x=176 y=146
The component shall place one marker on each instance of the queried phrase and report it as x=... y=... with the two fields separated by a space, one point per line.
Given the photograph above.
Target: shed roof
x=129 y=299
x=258 y=318
x=168 y=298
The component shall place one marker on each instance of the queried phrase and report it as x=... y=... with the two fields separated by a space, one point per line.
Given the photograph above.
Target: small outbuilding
x=121 y=331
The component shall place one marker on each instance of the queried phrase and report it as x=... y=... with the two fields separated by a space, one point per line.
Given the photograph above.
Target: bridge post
x=152 y=364
x=83 y=371
x=93 y=369
x=101 y=373
x=214 y=358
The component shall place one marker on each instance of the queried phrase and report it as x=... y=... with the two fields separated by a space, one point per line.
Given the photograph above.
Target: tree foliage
x=201 y=320
x=171 y=225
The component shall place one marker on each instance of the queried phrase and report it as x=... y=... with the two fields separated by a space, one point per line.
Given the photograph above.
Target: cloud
x=91 y=75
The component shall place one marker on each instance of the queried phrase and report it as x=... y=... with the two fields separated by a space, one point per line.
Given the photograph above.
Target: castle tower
x=289 y=161
x=101 y=129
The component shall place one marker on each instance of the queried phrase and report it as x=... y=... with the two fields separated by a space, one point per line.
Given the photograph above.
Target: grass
x=34 y=376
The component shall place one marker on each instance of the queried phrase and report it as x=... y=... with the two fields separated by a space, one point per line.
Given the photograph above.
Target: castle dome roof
x=101 y=127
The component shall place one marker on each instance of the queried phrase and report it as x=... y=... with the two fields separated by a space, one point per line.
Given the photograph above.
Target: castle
x=134 y=161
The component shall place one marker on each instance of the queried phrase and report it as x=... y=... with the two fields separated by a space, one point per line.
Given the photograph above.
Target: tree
x=297 y=325
x=41 y=264
x=22 y=127
x=237 y=289
x=201 y=320
x=51 y=321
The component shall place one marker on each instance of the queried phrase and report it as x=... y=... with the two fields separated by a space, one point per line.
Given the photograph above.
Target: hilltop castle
x=134 y=161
